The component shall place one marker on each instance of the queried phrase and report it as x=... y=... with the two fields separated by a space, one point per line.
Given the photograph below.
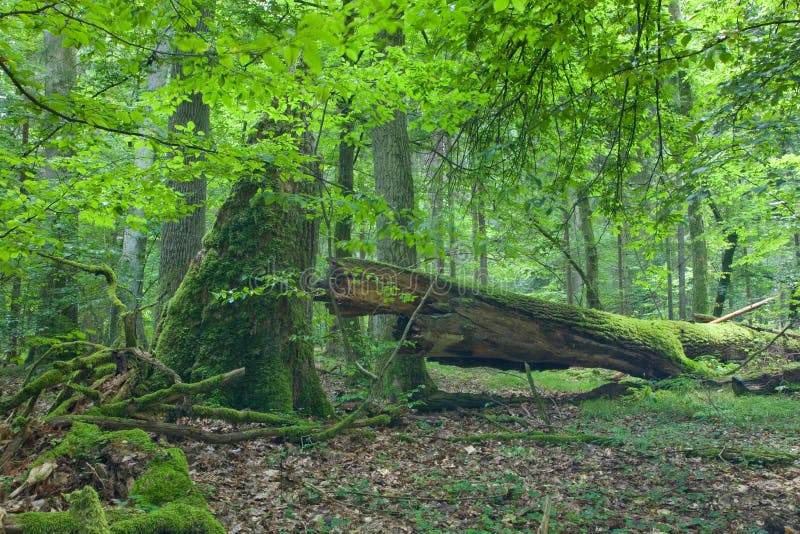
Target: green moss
x=166 y=480
x=48 y=523
x=174 y=518
x=85 y=441
x=203 y=337
x=242 y=416
x=178 y=506
x=85 y=516
x=49 y=379
x=85 y=509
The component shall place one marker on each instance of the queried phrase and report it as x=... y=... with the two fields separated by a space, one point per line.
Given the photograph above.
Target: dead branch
x=744 y=310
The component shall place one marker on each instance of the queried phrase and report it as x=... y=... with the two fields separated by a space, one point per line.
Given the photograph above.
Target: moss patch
x=175 y=518
x=166 y=480
x=165 y=490
x=84 y=441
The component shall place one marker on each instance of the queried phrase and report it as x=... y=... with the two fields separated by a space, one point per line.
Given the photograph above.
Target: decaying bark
x=467 y=326
x=765 y=382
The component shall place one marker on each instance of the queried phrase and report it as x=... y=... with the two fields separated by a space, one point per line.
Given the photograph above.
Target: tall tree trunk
x=182 y=239
x=394 y=182
x=15 y=338
x=670 y=289
x=347 y=335
x=203 y=335
x=724 y=283
x=698 y=248
x=481 y=273
x=568 y=274
x=452 y=247
x=699 y=259
x=681 y=267
x=435 y=178
x=592 y=271
x=59 y=294
x=131 y=270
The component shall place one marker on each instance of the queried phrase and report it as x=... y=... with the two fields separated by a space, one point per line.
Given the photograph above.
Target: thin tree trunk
x=698 y=248
x=481 y=272
x=724 y=284
x=452 y=249
x=131 y=270
x=592 y=280
x=434 y=168
x=681 y=238
x=670 y=299
x=347 y=335
x=568 y=274
x=699 y=259
x=16 y=341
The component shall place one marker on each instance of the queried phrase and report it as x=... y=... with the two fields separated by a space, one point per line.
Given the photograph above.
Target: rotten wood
x=468 y=326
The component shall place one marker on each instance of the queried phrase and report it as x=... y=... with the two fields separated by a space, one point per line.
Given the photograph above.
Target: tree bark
x=670 y=299
x=465 y=326
x=681 y=267
x=203 y=335
x=568 y=274
x=592 y=280
x=394 y=182
x=724 y=283
x=182 y=239
x=59 y=294
x=14 y=322
x=699 y=253
x=481 y=273
x=347 y=335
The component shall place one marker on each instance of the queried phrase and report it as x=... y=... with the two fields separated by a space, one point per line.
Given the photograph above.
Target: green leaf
x=500 y=5
x=311 y=57
x=519 y=5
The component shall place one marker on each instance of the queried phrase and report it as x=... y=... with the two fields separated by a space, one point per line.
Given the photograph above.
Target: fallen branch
x=294 y=433
x=744 y=310
x=127 y=407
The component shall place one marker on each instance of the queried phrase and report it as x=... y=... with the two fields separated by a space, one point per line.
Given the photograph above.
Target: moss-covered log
x=259 y=231
x=463 y=325
x=767 y=381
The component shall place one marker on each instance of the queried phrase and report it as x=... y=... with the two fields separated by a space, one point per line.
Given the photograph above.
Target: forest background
x=637 y=157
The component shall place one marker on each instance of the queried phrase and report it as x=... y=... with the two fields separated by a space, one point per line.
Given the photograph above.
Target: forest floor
x=417 y=476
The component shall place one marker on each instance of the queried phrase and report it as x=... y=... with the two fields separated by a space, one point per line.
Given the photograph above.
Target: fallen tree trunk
x=766 y=382
x=467 y=326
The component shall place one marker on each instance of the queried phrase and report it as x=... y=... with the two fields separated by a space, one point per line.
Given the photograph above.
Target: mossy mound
x=162 y=497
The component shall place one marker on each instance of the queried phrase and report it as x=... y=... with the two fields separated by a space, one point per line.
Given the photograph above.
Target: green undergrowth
x=683 y=414
x=162 y=499
x=573 y=380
